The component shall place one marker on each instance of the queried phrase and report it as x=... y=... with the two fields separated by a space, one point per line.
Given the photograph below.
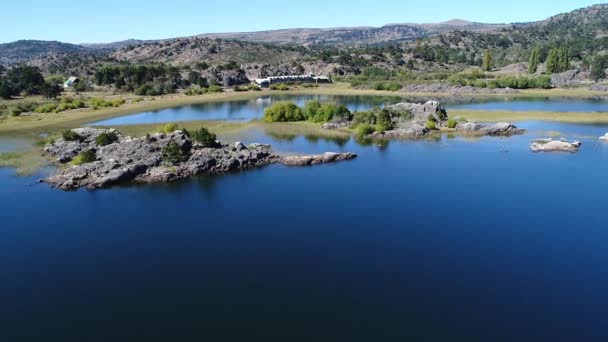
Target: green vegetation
x=364 y=130
x=84 y=157
x=514 y=82
x=452 y=123
x=173 y=154
x=431 y=125
x=214 y=89
x=106 y=138
x=487 y=60
x=534 y=60
x=63 y=105
x=151 y=80
x=169 y=128
x=195 y=90
x=315 y=111
x=21 y=80
x=203 y=137
x=281 y=87
x=598 y=67
x=69 y=135
x=283 y=112
x=97 y=103
x=558 y=60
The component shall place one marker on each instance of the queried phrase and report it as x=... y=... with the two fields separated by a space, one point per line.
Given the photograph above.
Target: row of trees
x=558 y=60
x=26 y=80
x=153 y=79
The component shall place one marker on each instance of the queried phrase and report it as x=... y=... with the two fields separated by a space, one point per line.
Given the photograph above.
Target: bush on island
x=106 y=138
x=84 y=157
x=203 y=137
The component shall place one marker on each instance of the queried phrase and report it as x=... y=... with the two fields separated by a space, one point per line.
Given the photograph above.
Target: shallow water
x=448 y=240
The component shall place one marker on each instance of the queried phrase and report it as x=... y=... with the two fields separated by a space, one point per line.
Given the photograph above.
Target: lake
x=448 y=240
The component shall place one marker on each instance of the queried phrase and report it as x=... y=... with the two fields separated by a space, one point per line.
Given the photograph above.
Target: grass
x=36 y=123
x=503 y=115
x=227 y=130
x=24 y=162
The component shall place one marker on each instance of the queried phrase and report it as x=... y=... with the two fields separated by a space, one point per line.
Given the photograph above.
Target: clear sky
x=92 y=21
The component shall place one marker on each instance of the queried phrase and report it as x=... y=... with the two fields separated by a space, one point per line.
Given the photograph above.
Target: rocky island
x=100 y=158
x=414 y=120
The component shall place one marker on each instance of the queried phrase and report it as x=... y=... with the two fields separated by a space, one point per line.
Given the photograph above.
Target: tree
x=25 y=79
x=487 y=60
x=598 y=67
x=5 y=91
x=558 y=60
x=203 y=137
x=534 y=60
x=50 y=91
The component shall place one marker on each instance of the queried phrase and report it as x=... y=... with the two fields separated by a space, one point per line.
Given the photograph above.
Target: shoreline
x=35 y=124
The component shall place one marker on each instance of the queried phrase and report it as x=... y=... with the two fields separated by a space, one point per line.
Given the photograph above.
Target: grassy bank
x=512 y=116
x=36 y=123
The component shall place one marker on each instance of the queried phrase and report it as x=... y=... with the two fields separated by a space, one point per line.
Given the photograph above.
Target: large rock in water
x=141 y=159
x=499 y=129
x=550 y=145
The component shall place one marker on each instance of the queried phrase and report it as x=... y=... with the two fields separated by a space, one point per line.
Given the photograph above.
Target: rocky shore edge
x=157 y=158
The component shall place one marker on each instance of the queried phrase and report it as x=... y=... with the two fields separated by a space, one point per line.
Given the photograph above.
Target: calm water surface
x=447 y=240
x=241 y=110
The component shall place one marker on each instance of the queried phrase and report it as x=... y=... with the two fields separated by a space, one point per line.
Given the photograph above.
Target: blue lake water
x=240 y=110
x=448 y=240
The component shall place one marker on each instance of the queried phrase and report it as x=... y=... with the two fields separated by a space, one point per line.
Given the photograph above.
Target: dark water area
x=242 y=110
x=447 y=240
x=544 y=105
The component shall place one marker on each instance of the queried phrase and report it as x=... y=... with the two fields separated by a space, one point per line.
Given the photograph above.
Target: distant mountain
x=25 y=50
x=391 y=33
x=115 y=45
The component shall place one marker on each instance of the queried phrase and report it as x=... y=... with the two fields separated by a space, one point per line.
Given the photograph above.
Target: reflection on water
x=448 y=239
x=241 y=110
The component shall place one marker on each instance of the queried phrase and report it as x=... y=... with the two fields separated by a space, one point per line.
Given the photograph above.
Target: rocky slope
x=144 y=160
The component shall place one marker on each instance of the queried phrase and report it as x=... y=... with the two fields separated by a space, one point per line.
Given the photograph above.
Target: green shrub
x=431 y=125
x=364 y=118
x=283 y=112
x=173 y=154
x=106 y=138
x=169 y=128
x=281 y=87
x=254 y=87
x=452 y=123
x=85 y=157
x=69 y=135
x=317 y=112
x=214 y=89
x=393 y=86
x=97 y=103
x=383 y=121
x=195 y=90
x=204 y=137
x=364 y=130
x=46 y=108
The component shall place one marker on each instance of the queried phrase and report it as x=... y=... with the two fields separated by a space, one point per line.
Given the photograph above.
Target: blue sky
x=112 y=20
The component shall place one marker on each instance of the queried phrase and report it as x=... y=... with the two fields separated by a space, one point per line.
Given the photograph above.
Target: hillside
x=354 y=36
x=24 y=50
x=186 y=51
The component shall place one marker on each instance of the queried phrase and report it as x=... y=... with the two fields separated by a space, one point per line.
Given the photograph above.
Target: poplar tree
x=487 y=60
x=534 y=60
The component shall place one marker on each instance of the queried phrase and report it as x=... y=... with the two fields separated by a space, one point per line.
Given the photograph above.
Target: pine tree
x=487 y=60
x=534 y=60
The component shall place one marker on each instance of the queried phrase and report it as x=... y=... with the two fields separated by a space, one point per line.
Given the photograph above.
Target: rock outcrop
x=410 y=121
x=504 y=129
x=160 y=158
x=550 y=145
